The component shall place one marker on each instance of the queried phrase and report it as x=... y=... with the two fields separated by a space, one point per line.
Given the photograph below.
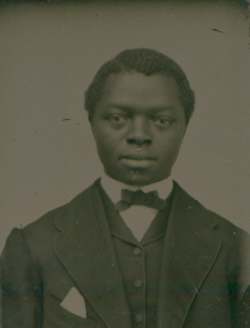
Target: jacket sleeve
x=21 y=285
x=243 y=277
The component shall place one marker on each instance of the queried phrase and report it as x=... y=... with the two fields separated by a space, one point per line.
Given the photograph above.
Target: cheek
x=169 y=148
x=105 y=145
x=108 y=138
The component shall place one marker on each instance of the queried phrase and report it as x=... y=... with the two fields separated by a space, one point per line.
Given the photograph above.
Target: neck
x=113 y=187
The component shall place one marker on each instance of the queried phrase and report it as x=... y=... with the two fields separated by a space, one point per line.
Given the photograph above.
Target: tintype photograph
x=125 y=152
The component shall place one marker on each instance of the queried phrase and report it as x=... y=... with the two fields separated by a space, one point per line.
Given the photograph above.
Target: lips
x=137 y=157
x=137 y=161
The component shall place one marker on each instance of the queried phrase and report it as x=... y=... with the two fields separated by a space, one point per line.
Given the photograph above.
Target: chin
x=138 y=181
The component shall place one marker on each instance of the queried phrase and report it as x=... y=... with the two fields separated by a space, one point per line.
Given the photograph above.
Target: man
x=134 y=249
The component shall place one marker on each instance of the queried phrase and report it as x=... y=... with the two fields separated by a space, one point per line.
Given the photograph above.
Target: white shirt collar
x=113 y=187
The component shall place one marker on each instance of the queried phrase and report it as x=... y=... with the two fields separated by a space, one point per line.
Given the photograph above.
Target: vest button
x=136 y=251
x=138 y=318
x=138 y=283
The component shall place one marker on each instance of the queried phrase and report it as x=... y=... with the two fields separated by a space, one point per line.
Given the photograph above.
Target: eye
x=162 y=121
x=117 y=119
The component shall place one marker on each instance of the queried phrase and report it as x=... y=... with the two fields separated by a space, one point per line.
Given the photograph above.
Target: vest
x=139 y=262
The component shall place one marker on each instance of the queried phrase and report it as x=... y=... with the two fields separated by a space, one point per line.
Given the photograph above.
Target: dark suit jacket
x=202 y=282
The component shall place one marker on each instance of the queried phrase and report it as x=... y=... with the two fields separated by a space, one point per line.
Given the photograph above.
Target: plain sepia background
x=49 y=54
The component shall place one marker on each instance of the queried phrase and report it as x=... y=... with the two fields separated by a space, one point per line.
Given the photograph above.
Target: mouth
x=137 y=157
x=137 y=161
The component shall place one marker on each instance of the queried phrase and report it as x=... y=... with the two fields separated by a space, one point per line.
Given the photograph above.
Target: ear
x=91 y=122
x=184 y=133
x=184 y=129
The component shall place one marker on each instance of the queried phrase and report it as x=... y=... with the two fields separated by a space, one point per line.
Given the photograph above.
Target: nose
x=139 y=132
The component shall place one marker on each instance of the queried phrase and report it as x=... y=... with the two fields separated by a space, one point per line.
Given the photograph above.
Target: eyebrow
x=152 y=110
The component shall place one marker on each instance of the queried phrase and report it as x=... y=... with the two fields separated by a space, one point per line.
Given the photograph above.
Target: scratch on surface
x=195 y=288
x=216 y=30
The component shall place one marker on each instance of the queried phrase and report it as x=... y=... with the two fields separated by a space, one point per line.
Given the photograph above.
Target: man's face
x=138 y=127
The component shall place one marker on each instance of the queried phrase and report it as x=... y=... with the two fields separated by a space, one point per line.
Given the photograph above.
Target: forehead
x=138 y=89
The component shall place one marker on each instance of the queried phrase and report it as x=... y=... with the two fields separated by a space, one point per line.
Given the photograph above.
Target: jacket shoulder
x=44 y=226
x=221 y=224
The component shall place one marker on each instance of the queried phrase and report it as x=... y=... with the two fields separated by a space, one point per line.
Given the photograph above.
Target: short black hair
x=147 y=62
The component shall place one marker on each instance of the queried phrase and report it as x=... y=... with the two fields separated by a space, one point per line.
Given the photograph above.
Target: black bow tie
x=149 y=199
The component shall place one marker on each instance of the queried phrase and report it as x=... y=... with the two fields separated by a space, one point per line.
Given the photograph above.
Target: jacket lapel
x=191 y=247
x=85 y=248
